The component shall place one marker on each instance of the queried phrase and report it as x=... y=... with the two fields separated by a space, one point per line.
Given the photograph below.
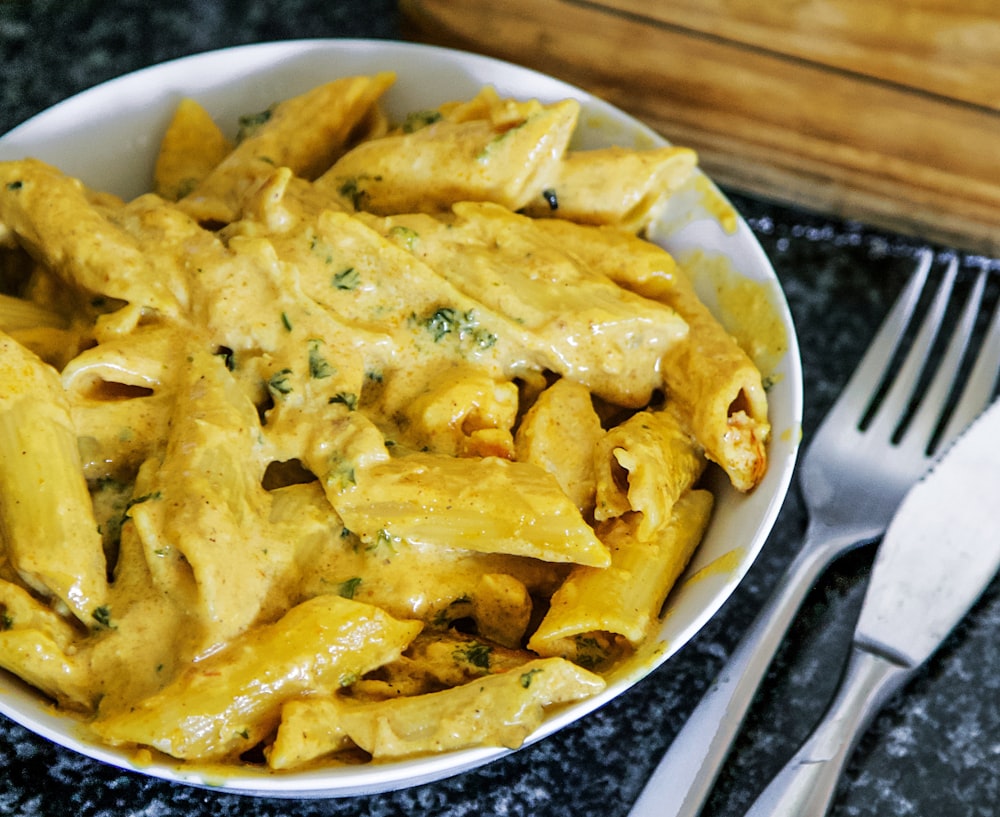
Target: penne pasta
x=46 y=515
x=594 y=608
x=191 y=148
x=615 y=186
x=229 y=701
x=352 y=440
x=645 y=465
x=305 y=133
x=452 y=719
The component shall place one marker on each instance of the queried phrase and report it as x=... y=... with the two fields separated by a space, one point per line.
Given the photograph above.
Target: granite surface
x=934 y=751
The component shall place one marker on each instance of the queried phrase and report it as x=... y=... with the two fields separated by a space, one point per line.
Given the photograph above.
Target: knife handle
x=806 y=785
x=683 y=780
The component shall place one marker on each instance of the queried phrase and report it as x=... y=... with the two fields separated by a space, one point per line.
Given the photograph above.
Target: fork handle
x=806 y=785
x=682 y=781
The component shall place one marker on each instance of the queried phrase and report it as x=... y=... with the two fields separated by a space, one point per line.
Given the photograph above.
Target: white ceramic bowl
x=108 y=136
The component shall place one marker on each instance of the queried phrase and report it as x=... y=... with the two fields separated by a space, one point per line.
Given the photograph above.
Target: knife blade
x=940 y=552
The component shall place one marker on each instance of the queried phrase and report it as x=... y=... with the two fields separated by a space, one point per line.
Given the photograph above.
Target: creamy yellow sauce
x=746 y=308
x=303 y=433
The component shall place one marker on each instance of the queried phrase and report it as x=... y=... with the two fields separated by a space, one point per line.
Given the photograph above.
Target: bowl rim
x=46 y=129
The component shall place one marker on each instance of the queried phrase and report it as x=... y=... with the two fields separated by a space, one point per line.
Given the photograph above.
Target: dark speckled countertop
x=933 y=752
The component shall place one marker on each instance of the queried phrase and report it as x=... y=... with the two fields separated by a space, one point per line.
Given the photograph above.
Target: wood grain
x=867 y=125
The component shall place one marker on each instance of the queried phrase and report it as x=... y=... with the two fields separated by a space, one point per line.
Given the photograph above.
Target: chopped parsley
x=404 y=235
x=383 y=541
x=139 y=500
x=102 y=615
x=15 y=185
x=464 y=326
x=341 y=472
x=416 y=120
x=346 y=279
x=349 y=189
x=349 y=399
x=474 y=653
x=319 y=366
x=280 y=382
x=286 y=321
x=526 y=677
x=590 y=654
x=250 y=123
x=348 y=588
x=551 y=198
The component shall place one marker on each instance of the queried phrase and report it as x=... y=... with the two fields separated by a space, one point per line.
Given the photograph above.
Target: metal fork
x=853 y=475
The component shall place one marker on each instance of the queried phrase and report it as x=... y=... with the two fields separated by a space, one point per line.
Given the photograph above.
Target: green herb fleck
x=347 y=398
x=102 y=615
x=549 y=194
x=6 y=621
x=474 y=653
x=185 y=187
x=279 y=382
x=250 y=123
x=341 y=473
x=347 y=279
x=589 y=652
x=319 y=367
x=349 y=189
x=15 y=185
x=244 y=733
x=527 y=676
x=139 y=500
x=348 y=588
x=416 y=120
x=383 y=541
x=404 y=235
x=286 y=321
x=462 y=325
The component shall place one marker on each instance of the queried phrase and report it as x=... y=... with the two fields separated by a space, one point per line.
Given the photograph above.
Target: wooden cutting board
x=887 y=112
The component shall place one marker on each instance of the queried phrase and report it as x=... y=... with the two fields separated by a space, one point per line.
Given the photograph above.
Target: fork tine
x=873 y=366
x=982 y=380
x=894 y=404
x=934 y=401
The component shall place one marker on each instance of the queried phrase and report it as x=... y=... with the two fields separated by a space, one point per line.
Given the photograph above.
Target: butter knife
x=941 y=551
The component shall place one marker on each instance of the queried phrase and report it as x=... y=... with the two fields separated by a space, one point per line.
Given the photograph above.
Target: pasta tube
x=46 y=516
x=715 y=385
x=559 y=433
x=644 y=465
x=624 y=600
x=497 y=710
x=305 y=133
x=579 y=323
x=36 y=658
x=624 y=188
x=228 y=702
x=488 y=504
x=191 y=148
x=432 y=168
x=95 y=252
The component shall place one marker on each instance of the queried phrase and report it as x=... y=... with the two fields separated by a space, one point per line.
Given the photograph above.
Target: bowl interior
x=108 y=136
